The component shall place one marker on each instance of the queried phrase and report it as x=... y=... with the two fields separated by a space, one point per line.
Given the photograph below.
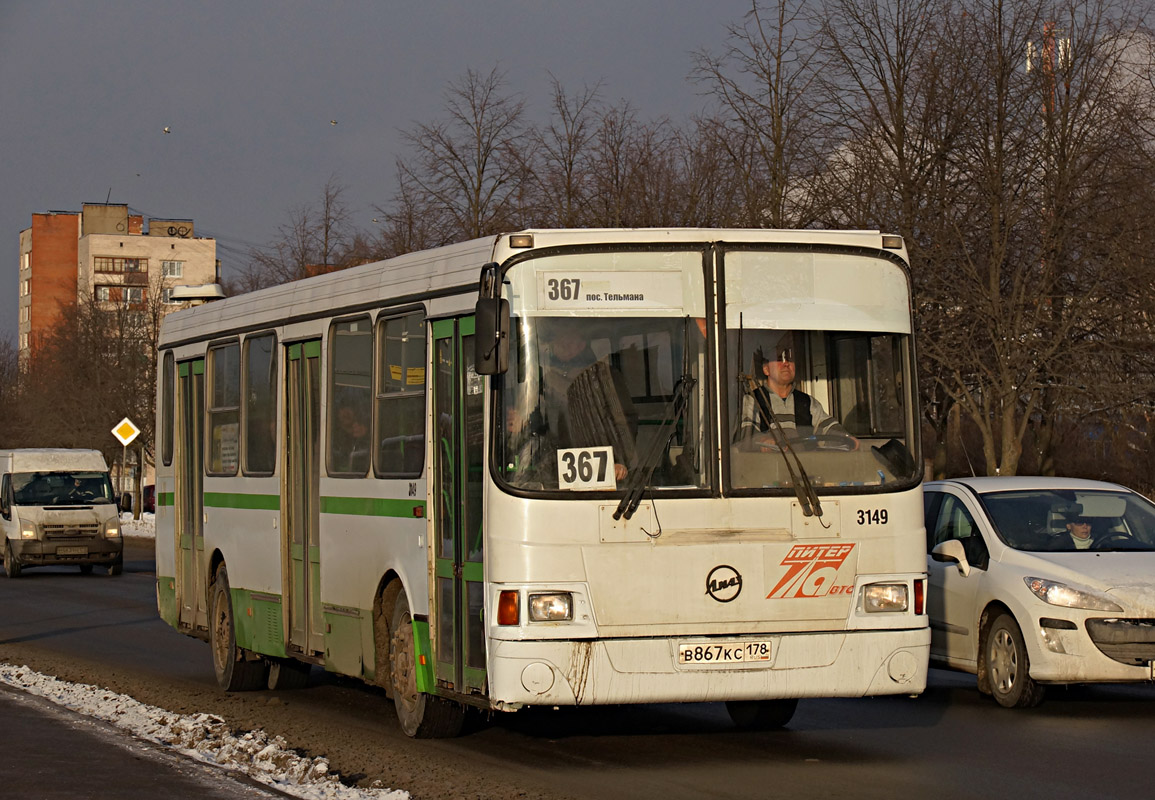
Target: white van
x=57 y=507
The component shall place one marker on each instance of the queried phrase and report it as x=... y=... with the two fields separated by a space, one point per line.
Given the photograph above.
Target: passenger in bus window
x=801 y=417
x=350 y=449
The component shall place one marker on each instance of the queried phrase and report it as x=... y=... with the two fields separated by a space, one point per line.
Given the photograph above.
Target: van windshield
x=61 y=488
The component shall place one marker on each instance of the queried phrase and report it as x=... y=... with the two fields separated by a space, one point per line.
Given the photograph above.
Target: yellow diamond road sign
x=125 y=431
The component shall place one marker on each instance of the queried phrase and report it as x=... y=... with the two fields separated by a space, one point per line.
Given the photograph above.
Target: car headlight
x=27 y=530
x=884 y=597
x=112 y=529
x=551 y=607
x=1060 y=594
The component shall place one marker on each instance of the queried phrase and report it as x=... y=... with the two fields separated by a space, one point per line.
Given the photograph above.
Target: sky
x=248 y=91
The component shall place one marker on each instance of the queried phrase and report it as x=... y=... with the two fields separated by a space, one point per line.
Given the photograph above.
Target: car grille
x=1128 y=641
x=70 y=531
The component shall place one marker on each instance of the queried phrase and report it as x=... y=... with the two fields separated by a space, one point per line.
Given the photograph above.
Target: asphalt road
x=948 y=743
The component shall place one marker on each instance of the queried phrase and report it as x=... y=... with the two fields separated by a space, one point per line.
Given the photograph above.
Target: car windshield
x=1068 y=521
x=61 y=488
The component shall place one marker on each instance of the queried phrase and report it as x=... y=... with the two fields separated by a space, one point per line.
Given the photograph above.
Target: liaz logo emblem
x=724 y=583
x=812 y=571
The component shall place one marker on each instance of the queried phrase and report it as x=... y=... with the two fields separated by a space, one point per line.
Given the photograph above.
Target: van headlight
x=1060 y=594
x=27 y=530
x=112 y=529
x=551 y=607
x=884 y=597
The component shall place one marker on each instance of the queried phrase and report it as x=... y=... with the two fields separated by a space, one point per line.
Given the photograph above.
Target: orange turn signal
x=509 y=607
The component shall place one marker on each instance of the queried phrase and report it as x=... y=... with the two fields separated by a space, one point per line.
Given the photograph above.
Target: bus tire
x=235 y=672
x=286 y=674
x=761 y=715
x=11 y=565
x=422 y=716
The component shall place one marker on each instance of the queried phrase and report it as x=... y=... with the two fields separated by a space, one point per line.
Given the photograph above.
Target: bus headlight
x=27 y=530
x=884 y=597
x=112 y=529
x=552 y=607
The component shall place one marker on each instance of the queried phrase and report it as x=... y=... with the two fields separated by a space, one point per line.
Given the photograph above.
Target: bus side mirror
x=492 y=336
x=491 y=324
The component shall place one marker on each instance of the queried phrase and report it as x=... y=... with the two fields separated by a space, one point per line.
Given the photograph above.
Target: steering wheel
x=767 y=443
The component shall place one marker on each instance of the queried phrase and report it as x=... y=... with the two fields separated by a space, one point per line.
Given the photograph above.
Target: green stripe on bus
x=198 y=367
x=165 y=498
x=313 y=349
x=372 y=507
x=257 y=502
x=294 y=352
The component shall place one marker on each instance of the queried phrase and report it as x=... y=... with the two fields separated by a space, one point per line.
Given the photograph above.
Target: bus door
x=300 y=497
x=191 y=584
x=458 y=398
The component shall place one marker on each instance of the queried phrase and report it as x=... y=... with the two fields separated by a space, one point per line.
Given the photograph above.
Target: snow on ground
x=204 y=737
x=145 y=527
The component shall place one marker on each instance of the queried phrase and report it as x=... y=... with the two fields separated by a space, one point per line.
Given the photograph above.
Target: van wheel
x=761 y=715
x=11 y=565
x=116 y=567
x=1007 y=667
x=286 y=674
x=85 y=569
x=422 y=716
x=235 y=672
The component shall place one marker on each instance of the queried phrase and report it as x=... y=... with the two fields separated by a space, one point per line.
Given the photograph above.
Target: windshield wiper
x=639 y=479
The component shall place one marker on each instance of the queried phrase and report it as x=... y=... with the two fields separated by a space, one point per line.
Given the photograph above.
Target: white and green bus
x=555 y=468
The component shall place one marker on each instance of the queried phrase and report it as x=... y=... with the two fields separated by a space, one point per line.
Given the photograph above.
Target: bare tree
x=316 y=239
x=470 y=169
x=767 y=126
x=564 y=171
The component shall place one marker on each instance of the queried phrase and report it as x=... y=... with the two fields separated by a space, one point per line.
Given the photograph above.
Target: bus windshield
x=605 y=380
x=818 y=357
x=61 y=488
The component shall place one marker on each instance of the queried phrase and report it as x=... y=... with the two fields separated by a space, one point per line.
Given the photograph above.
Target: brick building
x=105 y=253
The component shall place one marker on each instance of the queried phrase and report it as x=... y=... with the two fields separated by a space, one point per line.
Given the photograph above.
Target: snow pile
x=145 y=527
x=204 y=737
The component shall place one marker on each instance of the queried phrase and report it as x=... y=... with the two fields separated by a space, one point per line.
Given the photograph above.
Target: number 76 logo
x=811 y=570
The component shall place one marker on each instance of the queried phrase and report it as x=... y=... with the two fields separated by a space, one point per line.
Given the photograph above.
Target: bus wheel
x=11 y=565
x=761 y=715
x=422 y=716
x=234 y=672
x=286 y=674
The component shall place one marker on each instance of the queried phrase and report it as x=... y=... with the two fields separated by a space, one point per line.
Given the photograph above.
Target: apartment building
x=105 y=253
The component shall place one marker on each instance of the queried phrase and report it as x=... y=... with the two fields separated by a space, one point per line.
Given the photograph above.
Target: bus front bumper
x=625 y=671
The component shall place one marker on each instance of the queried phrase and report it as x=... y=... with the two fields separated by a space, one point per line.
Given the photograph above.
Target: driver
x=799 y=414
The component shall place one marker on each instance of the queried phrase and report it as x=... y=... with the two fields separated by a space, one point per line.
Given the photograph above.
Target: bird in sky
x=332 y=122
x=167 y=129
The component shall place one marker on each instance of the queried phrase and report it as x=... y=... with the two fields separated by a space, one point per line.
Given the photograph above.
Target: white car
x=1036 y=581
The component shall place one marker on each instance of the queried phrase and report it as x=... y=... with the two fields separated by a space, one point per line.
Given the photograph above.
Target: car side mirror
x=952 y=550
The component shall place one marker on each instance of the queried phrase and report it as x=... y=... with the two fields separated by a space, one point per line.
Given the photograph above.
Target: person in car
x=1079 y=529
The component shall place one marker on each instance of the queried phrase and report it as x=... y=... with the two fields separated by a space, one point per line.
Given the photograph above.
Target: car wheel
x=1007 y=666
x=422 y=716
x=235 y=672
x=85 y=569
x=11 y=565
x=761 y=715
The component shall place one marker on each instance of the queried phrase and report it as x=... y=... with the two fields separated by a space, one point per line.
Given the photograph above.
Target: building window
x=166 y=297
x=25 y=287
x=23 y=341
x=172 y=269
x=105 y=294
x=24 y=314
x=111 y=264
x=133 y=295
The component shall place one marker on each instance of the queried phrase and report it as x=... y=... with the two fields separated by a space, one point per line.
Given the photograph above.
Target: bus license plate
x=71 y=551
x=702 y=653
